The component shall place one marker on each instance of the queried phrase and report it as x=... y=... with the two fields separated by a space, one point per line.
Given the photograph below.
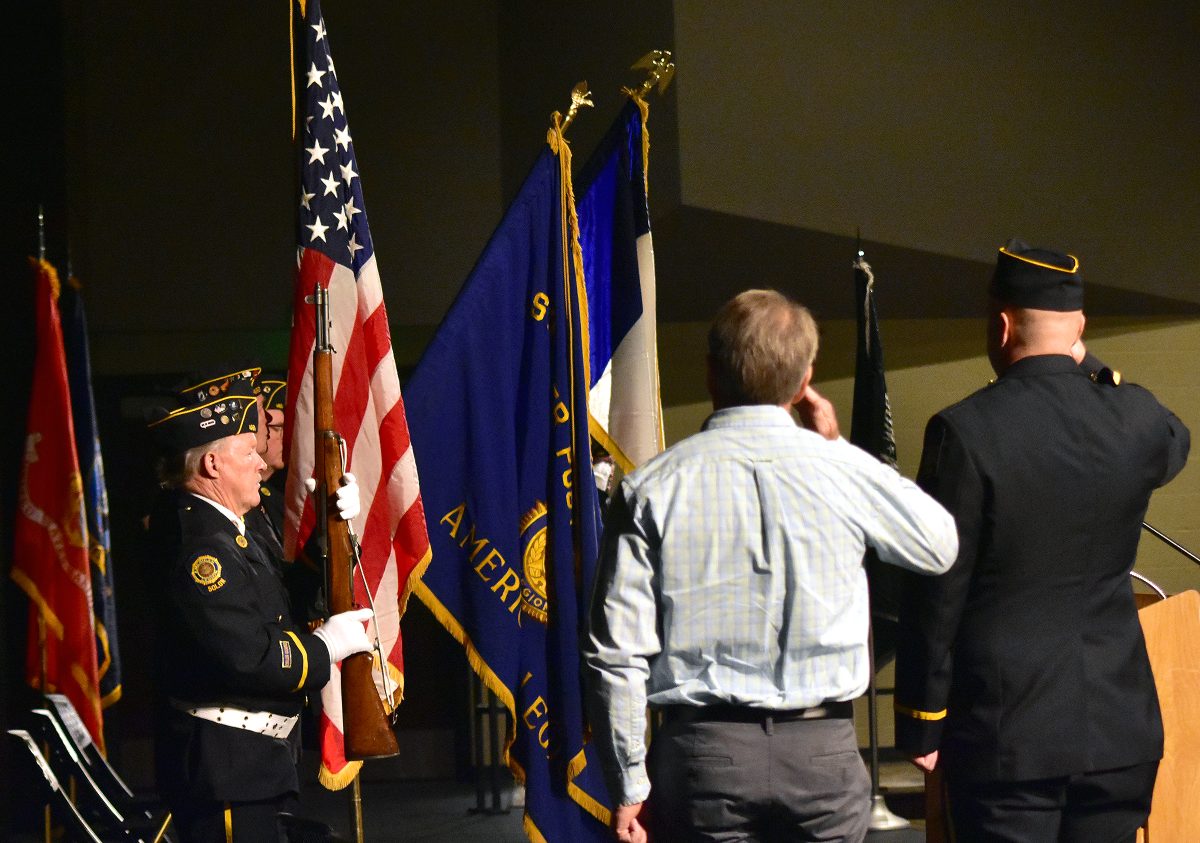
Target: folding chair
x=102 y=814
x=109 y=781
x=61 y=807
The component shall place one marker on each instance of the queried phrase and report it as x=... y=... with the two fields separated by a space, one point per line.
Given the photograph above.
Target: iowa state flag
x=618 y=261
x=50 y=555
x=498 y=414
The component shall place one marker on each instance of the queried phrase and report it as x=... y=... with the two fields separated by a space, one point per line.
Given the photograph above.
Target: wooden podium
x=1172 y=630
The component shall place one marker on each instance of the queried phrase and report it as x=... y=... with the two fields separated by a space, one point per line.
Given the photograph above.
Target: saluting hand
x=817 y=413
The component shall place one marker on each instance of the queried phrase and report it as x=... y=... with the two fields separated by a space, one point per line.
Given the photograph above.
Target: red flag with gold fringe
x=50 y=554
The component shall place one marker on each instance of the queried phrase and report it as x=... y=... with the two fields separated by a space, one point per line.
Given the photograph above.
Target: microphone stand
x=1171 y=542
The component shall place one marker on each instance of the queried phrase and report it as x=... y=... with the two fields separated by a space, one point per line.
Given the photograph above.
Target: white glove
x=344 y=634
x=346 y=498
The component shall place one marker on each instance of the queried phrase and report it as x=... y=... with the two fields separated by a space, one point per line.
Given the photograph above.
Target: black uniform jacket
x=226 y=638
x=1026 y=660
x=302 y=578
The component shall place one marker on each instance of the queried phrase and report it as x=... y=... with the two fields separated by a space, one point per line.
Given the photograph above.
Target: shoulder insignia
x=1108 y=376
x=206 y=571
x=241 y=541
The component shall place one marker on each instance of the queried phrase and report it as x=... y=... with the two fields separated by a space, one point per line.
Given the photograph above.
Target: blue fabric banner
x=497 y=410
x=95 y=492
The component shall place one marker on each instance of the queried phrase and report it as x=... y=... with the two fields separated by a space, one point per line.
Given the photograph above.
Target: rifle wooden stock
x=366 y=730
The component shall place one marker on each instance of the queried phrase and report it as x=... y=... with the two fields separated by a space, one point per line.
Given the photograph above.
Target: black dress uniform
x=266 y=520
x=234 y=668
x=303 y=580
x=228 y=642
x=271 y=495
x=1026 y=660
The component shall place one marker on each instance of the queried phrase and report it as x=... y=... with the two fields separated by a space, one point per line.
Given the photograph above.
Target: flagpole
x=41 y=232
x=580 y=95
x=881 y=817
x=43 y=666
x=356 y=807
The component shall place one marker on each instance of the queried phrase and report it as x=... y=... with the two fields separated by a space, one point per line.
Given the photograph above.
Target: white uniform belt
x=264 y=722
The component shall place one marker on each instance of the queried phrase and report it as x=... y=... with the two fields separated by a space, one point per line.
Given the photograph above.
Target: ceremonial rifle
x=366 y=729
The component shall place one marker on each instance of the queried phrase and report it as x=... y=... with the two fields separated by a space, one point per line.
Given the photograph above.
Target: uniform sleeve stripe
x=303 y=659
x=917 y=714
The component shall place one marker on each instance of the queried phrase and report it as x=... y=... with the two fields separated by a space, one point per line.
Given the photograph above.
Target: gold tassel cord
x=573 y=260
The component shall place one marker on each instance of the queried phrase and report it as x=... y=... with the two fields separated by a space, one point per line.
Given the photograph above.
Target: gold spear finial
x=580 y=95
x=660 y=71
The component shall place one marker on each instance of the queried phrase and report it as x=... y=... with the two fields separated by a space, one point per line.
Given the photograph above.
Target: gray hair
x=175 y=470
x=761 y=345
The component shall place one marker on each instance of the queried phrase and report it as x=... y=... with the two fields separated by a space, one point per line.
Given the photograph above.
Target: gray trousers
x=766 y=780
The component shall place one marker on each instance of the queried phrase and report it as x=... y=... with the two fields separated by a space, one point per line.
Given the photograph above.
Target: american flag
x=336 y=251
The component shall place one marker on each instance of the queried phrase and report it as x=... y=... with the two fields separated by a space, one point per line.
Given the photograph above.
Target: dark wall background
x=157 y=137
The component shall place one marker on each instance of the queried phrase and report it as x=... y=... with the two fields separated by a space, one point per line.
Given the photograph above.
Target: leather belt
x=264 y=722
x=725 y=713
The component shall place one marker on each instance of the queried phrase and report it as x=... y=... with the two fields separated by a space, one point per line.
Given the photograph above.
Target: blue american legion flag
x=336 y=251
x=95 y=491
x=498 y=409
x=618 y=261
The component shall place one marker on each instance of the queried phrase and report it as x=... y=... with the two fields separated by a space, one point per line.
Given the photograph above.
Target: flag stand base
x=883 y=819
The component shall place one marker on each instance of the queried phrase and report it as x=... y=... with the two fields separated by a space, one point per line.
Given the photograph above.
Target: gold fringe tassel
x=338 y=781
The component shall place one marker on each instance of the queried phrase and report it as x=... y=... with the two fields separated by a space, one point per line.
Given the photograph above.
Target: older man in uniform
x=234 y=667
x=1023 y=672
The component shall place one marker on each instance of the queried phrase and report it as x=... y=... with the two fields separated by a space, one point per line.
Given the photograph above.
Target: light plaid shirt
x=731 y=572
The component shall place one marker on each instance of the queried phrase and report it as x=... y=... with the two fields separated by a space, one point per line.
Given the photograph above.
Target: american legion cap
x=207 y=387
x=1037 y=278
x=233 y=411
x=273 y=389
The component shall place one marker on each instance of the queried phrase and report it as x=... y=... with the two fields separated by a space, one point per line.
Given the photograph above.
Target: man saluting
x=1022 y=671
